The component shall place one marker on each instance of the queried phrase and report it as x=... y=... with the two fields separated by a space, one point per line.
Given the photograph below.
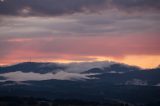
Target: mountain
x=99 y=81
x=114 y=68
x=32 y=67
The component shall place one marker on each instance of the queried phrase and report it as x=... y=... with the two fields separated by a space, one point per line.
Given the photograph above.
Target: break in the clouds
x=80 y=30
x=62 y=7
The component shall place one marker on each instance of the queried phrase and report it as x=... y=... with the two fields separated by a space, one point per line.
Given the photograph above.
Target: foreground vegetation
x=29 y=101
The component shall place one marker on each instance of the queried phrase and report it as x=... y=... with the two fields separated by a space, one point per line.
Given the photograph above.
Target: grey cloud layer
x=61 y=7
x=67 y=34
x=92 y=24
x=48 y=7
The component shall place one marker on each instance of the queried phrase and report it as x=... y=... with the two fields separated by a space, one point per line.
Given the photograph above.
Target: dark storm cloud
x=61 y=7
x=48 y=7
x=137 y=5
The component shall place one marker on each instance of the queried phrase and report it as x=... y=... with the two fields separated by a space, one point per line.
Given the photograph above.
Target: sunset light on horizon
x=105 y=30
x=79 y=52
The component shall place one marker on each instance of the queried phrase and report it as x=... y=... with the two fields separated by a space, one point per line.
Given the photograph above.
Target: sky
x=64 y=31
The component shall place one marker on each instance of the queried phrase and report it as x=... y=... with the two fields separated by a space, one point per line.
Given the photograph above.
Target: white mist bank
x=61 y=75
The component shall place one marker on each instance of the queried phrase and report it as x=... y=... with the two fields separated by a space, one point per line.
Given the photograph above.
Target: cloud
x=72 y=71
x=79 y=48
x=105 y=24
x=48 y=7
x=78 y=29
x=81 y=67
x=61 y=75
x=137 y=5
x=6 y=48
x=62 y=7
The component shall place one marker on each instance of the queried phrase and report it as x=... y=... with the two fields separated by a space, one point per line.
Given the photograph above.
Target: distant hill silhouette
x=116 y=81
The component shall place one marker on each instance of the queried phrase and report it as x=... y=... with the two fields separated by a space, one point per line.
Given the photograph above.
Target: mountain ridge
x=98 y=81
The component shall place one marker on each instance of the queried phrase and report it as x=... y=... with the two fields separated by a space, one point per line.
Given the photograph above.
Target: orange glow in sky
x=142 y=61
